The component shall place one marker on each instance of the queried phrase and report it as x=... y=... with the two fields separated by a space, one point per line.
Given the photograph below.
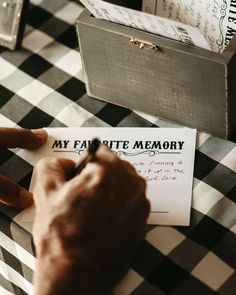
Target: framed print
x=12 y=21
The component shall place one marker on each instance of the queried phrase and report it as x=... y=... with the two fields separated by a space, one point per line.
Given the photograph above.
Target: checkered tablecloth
x=42 y=85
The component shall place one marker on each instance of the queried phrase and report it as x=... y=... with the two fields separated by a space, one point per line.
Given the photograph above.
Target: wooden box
x=185 y=84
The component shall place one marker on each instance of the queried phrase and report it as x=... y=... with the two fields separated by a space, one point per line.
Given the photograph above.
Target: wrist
x=58 y=272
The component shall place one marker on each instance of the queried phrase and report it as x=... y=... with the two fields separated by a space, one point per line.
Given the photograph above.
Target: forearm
x=60 y=276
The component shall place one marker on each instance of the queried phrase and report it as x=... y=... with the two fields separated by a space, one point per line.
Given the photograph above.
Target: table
x=42 y=85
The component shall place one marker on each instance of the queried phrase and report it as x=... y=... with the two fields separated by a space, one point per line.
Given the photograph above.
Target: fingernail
x=39 y=132
x=26 y=198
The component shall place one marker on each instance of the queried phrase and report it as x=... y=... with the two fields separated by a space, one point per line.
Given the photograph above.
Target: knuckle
x=42 y=162
x=45 y=174
x=99 y=177
x=49 y=184
x=94 y=175
x=47 y=162
x=142 y=183
x=128 y=165
x=140 y=186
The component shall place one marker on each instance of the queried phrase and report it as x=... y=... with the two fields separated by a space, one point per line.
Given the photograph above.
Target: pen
x=87 y=156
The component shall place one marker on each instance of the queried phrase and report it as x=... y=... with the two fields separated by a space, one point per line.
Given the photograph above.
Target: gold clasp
x=143 y=44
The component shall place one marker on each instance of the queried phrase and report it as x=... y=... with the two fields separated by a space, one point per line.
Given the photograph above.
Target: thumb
x=22 y=138
x=14 y=195
x=50 y=174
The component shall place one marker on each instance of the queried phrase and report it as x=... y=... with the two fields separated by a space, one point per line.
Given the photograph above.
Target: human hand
x=11 y=193
x=88 y=228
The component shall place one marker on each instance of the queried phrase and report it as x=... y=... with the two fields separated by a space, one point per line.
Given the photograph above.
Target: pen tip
x=94 y=146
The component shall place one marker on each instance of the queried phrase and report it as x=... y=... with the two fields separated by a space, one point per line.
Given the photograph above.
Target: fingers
x=51 y=174
x=104 y=153
x=107 y=155
x=93 y=172
x=107 y=171
x=14 y=195
x=23 y=138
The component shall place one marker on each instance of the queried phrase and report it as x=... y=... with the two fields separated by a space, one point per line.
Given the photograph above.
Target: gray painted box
x=184 y=84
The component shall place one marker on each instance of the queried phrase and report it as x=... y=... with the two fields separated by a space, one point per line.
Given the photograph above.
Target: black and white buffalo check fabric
x=42 y=85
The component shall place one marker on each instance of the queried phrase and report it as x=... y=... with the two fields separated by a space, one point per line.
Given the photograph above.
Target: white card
x=215 y=19
x=146 y=22
x=163 y=156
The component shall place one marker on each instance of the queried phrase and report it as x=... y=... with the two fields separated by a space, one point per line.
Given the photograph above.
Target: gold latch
x=143 y=44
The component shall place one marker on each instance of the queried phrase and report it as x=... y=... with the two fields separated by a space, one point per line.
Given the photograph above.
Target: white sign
x=164 y=157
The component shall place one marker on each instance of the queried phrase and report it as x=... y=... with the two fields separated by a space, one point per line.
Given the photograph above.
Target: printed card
x=215 y=19
x=164 y=157
x=147 y=22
